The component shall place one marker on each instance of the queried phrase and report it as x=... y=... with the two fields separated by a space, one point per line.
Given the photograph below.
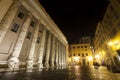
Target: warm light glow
x=76 y=58
x=119 y=58
x=115 y=44
x=110 y=43
x=97 y=56
x=90 y=58
x=69 y=59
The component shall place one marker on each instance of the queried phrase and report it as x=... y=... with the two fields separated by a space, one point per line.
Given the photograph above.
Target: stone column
x=7 y=20
x=60 y=55
x=56 y=57
x=32 y=48
x=64 y=54
x=53 y=52
x=42 y=48
x=13 y=61
x=48 y=51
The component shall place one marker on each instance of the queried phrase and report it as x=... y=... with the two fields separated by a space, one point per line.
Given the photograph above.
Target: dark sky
x=75 y=18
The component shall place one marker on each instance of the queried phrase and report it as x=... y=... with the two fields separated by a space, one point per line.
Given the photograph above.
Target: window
x=21 y=15
x=15 y=27
x=69 y=55
x=113 y=33
x=85 y=46
x=32 y=23
x=86 y=54
x=40 y=31
x=105 y=21
x=107 y=16
x=87 y=63
x=73 y=54
x=116 y=15
x=73 y=47
x=29 y=35
x=82 y=55
x=38 y=40
x=111 y=8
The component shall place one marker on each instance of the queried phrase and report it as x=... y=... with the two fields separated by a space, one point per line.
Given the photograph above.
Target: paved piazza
x=70 y=73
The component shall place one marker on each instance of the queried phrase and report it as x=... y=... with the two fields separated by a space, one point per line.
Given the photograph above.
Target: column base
x=52 y=65
x=46 y=65
x=40 y=65
x=30 y=64
x=13 y=63
x=56 y=64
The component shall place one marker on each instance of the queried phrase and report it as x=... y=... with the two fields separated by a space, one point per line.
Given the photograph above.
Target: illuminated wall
x=107 y=39
x=81 y=54
x=29 y=37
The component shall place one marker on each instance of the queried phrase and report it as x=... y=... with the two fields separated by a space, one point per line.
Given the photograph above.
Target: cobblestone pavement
x=70 y=73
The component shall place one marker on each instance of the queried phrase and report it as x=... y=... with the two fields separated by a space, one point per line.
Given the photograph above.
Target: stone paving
x=70 y=73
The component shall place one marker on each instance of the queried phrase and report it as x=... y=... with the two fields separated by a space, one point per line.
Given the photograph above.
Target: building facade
x=107 y=37
x=85 y=40
x=80 y=54
x=28 y=37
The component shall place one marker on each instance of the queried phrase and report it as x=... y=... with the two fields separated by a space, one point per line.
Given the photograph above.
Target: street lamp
x=110 y=43
x=114 y=44
x=97 y=56
x=76 y=58
x=90 y=58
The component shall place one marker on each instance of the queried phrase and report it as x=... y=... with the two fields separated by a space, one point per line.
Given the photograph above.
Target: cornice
x=39 y=12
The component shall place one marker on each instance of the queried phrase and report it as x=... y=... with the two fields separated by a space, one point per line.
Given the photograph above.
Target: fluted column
x=13 y=61
x=53 y=52
x=60 y=56
x=6 y=21
x=56 y=56
x=32 y=48
x=48 y=51
x=42 y=48
x=65 y=56
x=62 y=53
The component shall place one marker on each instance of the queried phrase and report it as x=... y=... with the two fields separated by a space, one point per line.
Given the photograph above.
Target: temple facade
x=29 y=38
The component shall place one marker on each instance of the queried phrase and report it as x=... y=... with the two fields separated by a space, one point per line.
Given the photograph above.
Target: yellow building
x=107 y=37
x=80 y=54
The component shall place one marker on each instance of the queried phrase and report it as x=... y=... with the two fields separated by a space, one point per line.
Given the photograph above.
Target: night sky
x=75 y=18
